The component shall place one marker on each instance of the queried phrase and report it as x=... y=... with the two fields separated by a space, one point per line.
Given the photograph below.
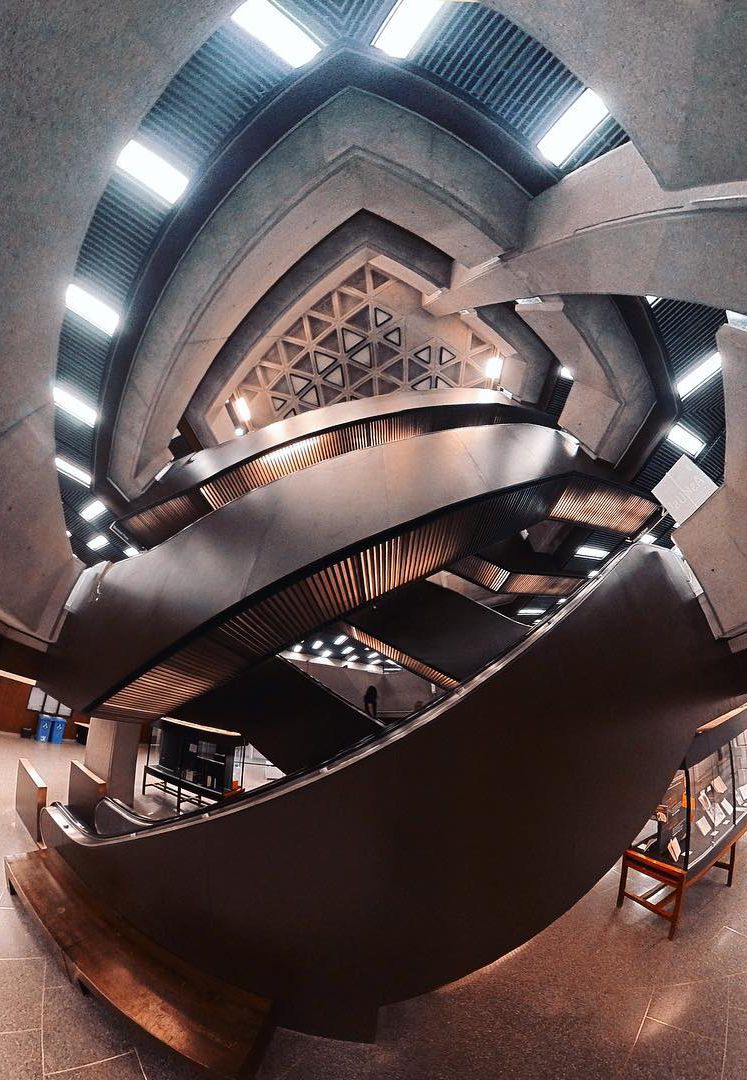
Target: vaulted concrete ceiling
x=70 y=104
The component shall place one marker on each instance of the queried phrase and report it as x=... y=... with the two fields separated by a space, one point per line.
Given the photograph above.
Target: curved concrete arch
x=610 y=228
x=358 y=152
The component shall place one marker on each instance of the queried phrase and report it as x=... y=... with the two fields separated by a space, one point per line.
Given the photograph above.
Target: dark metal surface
x=379 y=880
x=212 y=477
x=439 y=627
x=447 y=493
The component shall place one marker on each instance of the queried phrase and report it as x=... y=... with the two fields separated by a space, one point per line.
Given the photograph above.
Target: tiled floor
x=599 y=994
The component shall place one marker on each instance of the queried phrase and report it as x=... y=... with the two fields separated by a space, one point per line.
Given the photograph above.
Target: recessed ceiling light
x=405 y=25
x=586 y=552
x=573 y=127
x=68 y=533
x=97 y=542
x=685 y=440
x=273 y=28
x=531 y=611
x=353 y=657
x=242 y=409
x=73 y=406
x=652 y=301
x=341 y=639
x=566 y=373
x=647 y=538
x=699 y=375
x=92 y=510
x=131 y=552
x=371 y=653
x=562 y=600
x=375 y=660
x=68 y=469
x=238 y=432
x=91 y=309
x=152 y=171
x=593 y=573
x=494 y=367
x=317 y=644
x=326 y=652
x=347 y=649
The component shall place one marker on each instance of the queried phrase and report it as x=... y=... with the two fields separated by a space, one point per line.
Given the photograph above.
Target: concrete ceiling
x=78 y=78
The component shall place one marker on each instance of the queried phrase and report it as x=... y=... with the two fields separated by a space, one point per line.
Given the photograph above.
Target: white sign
x=684 y=488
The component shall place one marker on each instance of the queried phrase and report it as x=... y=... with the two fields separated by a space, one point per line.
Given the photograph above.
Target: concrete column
x=111 y=753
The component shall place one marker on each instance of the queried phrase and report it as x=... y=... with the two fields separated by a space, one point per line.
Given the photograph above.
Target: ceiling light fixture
x=238 y=432
x=566 y=373
x=297 y=648
x=68 y=533
x=90 y=308
x=152 y=171
x=586 y=552
x=405 y=25
x=698 y=375
x=562 y=600
x=92 y=510
x=573 y=127
x=317 y=644
x=326 y=652
x=131 y=552
x=593 y=573
x=647 y=538
x=74 y=407
x=68 y=469
x=347 y=649
x=97 y=542
x=341 y=639
x=277 y=31
x=242 y=409
x=352 y=658
x=372 y=654
x=531 y=611
x=686 y=440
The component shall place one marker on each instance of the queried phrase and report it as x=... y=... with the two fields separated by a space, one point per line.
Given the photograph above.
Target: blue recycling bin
x=58 y=729
x=43 y=728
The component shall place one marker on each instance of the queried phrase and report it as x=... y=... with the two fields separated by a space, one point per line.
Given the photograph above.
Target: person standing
x=370 y=701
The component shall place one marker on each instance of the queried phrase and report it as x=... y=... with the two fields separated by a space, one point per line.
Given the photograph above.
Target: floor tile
x=17 y=939
x=735 y=1061
x=21 y=987
x=78 y=1030
x=124 y=1067
x=666 y=1053
x=700 y=1007
x=20 y=1056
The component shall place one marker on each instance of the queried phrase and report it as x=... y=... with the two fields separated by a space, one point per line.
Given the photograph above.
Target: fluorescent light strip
x=531 y=611
x=326 y=652
x=347 y=649
x=353 y=657
x=317 y=644
x=97 y=542
x=573 y=127
x=131 y=552
x=68 y=469
x=647 y=538
x=566 y=373
x=152 y=171
x=242 y=409
x=341 y=639
x=586 y=552
x=90 y=308
x=280 y=34
x=74 y=407
x=700 y=374
x=652 y=301
x=92 y=510
x=405 y=25
x=686 y=440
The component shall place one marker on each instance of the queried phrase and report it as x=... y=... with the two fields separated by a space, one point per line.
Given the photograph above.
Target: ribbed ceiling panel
x=81 y=362
x=216 y=89
x=329 y=20
x=74 y=440
x=513 y=77
x=688 y=331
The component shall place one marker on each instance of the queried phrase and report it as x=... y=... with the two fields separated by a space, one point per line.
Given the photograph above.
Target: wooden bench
x=31 y=797
x=215 y=1025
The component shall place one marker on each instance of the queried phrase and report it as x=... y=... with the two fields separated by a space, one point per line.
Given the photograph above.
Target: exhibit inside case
x=696 y=824
x=703 y=805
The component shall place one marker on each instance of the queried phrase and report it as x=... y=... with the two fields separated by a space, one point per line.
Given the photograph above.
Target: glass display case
x=193 y=763
x=698 y=819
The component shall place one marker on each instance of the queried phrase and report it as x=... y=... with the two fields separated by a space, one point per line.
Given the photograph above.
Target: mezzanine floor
x=599 y=994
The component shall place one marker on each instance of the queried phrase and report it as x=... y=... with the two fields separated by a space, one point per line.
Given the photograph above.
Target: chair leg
x=623 y=882
x=732 y=862
x=677 y=908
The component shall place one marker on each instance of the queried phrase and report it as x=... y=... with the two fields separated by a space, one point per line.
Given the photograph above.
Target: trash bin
x=43 y=728
x=58 y=729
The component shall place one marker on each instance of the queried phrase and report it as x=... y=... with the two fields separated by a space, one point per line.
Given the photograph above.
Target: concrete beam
x=610 y=228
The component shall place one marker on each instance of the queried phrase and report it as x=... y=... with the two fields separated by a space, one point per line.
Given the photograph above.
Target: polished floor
x=600 y=994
